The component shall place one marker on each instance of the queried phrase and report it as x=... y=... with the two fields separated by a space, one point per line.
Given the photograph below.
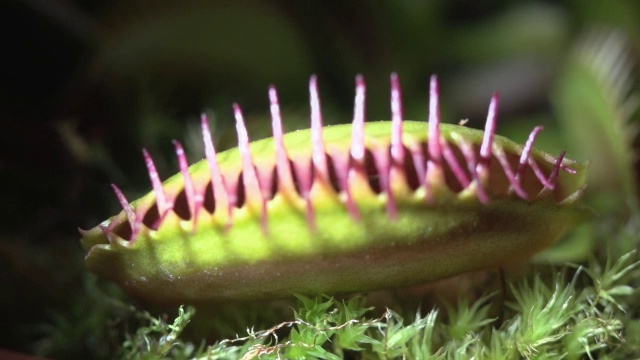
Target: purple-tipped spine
x=389 y=163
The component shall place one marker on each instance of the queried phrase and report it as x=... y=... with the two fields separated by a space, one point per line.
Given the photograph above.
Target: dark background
x=84 y=85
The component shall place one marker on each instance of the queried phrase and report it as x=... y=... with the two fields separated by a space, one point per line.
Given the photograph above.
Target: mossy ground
x=571 y=311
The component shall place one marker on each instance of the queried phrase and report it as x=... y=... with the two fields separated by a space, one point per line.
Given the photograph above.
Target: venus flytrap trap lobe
x=338 y=209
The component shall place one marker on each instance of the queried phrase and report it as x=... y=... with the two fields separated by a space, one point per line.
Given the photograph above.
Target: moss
x=577 y=312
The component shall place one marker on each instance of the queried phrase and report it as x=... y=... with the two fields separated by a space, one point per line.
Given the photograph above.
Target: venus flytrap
x=338 y=209
x=597 y=102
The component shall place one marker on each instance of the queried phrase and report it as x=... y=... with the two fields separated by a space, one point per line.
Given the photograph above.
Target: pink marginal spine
x=388 y=162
